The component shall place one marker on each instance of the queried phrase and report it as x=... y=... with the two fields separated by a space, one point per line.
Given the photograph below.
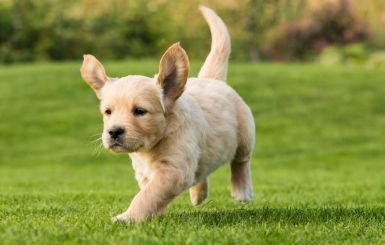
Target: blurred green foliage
x=355 y=54
x=376 y=60
x=60 y=30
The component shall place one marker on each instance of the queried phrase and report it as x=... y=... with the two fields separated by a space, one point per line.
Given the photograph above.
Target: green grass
x=318 y=167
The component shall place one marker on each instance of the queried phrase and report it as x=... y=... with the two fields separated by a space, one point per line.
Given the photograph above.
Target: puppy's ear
x=173 y=73
x=93 y=73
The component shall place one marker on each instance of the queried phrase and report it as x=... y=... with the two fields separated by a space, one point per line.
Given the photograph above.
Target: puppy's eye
x=139 y=111
x=107 y=112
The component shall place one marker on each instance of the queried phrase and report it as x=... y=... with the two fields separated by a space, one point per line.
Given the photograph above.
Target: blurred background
x=326 y=31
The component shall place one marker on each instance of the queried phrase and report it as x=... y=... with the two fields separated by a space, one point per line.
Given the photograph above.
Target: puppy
x=176 y=130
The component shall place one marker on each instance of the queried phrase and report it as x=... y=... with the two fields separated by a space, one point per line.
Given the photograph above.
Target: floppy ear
x=173 y=73
x=93 y=73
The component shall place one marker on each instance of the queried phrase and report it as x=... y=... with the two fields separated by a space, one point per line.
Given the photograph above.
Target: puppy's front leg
x=154 y=197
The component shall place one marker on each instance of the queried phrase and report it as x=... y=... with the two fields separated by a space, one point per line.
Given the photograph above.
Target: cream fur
x=189 y=128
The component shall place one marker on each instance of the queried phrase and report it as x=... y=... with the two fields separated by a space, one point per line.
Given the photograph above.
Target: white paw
x=243 y=195
x=123 y=217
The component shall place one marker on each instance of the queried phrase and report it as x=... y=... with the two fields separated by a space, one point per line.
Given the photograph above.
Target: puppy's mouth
x=119 y=147
x=116 y=147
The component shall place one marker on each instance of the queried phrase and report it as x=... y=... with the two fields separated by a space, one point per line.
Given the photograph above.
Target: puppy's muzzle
x=119 y=142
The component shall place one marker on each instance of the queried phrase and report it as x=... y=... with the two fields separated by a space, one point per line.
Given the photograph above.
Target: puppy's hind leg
x=199 y=192
x=241 y=184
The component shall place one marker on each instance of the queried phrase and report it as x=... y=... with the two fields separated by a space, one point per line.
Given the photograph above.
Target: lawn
x=318 y=167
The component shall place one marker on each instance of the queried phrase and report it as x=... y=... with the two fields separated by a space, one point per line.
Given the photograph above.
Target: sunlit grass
x=318 y=167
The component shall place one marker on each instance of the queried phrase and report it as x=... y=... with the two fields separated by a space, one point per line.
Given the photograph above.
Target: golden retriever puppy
x=177 y=130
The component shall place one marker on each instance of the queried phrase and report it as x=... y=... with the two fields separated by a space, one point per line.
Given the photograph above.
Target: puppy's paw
x=197 y=197
x=244 y=195
x=199 y=192
x=121 y=218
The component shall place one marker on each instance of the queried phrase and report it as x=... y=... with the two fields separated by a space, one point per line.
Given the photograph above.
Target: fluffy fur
x=177 y=130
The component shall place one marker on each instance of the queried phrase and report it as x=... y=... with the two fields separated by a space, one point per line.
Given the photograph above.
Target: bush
x=355 y=54
x=332 y=23
x=376 y=60
x=59 y=30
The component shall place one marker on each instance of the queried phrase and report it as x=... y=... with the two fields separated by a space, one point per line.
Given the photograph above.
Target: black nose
x=116 y=132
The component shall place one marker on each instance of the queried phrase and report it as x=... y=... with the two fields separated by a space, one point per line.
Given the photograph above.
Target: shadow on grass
x=282 y=215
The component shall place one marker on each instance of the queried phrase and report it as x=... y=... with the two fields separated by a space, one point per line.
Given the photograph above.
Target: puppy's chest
x=142 y=167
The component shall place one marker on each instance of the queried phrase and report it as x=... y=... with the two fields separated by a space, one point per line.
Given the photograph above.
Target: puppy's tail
x=215 y=66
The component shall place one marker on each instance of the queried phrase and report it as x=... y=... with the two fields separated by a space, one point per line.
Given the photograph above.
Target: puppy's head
x=135 y=108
